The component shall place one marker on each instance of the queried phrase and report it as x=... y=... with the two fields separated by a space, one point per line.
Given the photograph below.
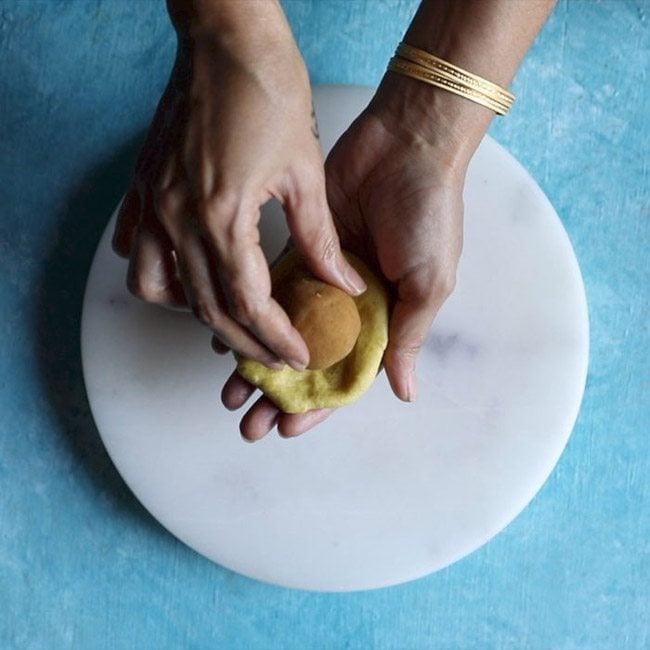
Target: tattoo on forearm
x=314 y=123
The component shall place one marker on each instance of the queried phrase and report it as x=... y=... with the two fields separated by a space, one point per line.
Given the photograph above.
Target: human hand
x=397 y=203
x=396 y=195
x=233 y=129
x=395 y=181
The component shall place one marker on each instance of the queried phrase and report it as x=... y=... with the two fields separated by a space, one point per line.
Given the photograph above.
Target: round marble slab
x=383 y=492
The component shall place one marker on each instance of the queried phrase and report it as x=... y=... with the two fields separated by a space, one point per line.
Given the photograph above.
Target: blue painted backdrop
x=82 y=565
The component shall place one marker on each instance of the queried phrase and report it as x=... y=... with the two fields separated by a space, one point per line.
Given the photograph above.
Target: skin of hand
x=395 y=180
x=397 y=204
x=233 y=129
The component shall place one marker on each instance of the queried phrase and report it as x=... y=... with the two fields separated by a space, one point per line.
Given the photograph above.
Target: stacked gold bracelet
x=420 y=65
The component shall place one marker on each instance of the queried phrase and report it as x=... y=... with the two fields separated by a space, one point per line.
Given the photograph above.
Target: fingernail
x=354 y=281
x=411 y=387
x=297 y=365
x=275 y=364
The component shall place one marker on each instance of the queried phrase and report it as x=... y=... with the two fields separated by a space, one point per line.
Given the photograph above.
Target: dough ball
x=343 y=381
x=326 y=317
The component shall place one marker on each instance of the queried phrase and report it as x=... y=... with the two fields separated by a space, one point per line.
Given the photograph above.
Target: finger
x=127 y=222
x=259 y=419
x=218 y=346
x=151 y=275
x=244 y=277
x=291 y=425
x=206 y=299
x=314 y=235
x=236 y=392
x=409 y=325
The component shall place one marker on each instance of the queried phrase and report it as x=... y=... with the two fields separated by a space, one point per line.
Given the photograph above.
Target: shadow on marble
x=73 y=243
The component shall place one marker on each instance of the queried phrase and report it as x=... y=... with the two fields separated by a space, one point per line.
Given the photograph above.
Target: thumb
x=313 y=233
x=409 y=326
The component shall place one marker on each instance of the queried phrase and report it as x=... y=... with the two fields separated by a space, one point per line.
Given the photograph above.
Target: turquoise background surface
x=82 y=564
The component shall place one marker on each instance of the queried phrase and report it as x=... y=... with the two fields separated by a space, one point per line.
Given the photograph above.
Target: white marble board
x=383 y=492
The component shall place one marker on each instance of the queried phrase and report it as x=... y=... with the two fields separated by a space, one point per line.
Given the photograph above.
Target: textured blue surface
x=82 y=565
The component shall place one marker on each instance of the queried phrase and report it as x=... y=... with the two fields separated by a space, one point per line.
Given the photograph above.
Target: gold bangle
x=433 y=78
x=467 y=91
x=453 y=72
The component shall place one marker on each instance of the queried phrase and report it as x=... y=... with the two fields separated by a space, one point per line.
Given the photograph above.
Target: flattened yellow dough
x=344 y=382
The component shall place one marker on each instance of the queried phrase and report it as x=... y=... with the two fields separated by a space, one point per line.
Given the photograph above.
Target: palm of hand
x=395 y=207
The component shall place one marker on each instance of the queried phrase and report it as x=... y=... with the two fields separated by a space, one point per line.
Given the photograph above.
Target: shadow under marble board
x=383 y=492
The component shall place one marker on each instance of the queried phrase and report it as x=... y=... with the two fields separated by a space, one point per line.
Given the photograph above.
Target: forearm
x=232 y=22
x=486 y=37
x=250 y=35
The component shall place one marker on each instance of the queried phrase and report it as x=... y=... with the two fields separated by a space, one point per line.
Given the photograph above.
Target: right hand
x=233 y=129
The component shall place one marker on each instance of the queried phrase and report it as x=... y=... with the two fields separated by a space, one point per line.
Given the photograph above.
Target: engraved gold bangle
x=415 y=71
x=453 y=72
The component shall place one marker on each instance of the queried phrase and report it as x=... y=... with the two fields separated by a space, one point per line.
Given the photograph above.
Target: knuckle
x=431 y=285
x=208 y=313
x=166 y=202
x=141 y=288
x=228 y=235
x=445 y=284
x=245 y=311
x=224 y=202
x=329 y=248
x=224 y=219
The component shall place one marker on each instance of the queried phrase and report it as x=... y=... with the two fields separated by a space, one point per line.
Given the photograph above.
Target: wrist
x=253 y=36
x=229 y=23
x=422 y=115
